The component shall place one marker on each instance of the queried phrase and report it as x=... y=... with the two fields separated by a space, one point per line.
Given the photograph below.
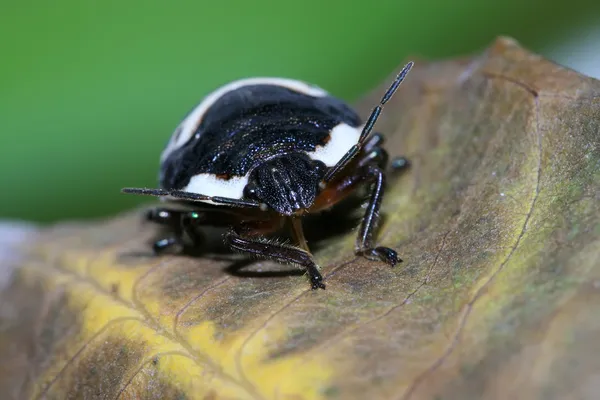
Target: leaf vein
x=200 y=358
x=72 y=359
x=482 y=290
x=143 y=364
x=289 y=303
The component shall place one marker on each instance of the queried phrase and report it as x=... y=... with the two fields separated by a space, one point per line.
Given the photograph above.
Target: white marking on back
x=210 y=185
x=188 y=126
x=342 y=138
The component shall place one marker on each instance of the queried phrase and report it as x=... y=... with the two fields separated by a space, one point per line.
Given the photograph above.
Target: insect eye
x=319 y=167
x=250 y=191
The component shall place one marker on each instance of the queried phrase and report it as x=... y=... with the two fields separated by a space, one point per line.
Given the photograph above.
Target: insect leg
x=377 y=155
x=298 y=233
x=179 y=221
x=277 y=252
x=345 y=185
x=364 y=241
x=166 y=217
x=163 y=216
x=365 y=135
x=166 y=243
x=376 y=140
x=375 y=152
x=189 y=222
x=400 y=163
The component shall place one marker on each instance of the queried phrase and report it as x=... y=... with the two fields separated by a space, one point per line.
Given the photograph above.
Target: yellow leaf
x=498 y=222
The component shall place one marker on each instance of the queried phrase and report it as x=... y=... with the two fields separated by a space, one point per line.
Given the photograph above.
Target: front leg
x=365 y=245
x=277 y=252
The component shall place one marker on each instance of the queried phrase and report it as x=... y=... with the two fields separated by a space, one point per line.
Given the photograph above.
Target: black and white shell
x=246 y=122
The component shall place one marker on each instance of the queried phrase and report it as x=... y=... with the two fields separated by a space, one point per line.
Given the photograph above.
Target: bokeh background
x=91 y=90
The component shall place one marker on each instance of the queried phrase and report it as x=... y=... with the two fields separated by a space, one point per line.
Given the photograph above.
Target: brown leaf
x=498 y=222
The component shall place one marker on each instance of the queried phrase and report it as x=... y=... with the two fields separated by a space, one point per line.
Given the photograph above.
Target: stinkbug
x=258 y=153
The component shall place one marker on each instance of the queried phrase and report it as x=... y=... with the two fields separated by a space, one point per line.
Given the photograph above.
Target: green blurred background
x=90 y=91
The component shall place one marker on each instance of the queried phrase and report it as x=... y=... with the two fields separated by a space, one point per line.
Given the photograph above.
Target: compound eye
x=320 y=167
x=250 y=191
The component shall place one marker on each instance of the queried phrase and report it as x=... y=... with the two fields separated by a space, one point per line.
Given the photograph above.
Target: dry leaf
x=498 y=222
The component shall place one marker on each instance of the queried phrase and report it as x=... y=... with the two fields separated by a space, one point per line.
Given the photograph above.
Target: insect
x=260 y=153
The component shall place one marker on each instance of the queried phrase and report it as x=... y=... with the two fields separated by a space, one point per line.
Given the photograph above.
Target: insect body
x=259 y=153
